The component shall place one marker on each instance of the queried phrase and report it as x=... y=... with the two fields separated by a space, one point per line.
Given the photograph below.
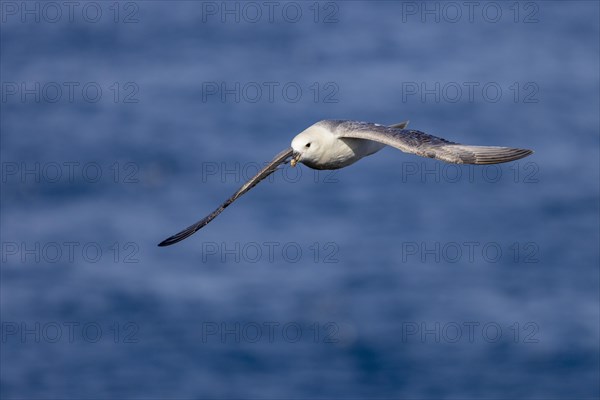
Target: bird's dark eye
x=307 y=145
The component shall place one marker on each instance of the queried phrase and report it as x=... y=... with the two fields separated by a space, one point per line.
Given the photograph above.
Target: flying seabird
x=334 y=144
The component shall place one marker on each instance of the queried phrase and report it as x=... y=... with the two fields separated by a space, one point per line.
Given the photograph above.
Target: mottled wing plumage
x=262 y=174
x=424 y=145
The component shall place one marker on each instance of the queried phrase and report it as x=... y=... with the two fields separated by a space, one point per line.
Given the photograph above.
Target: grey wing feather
x=424 y=145
x=262 y=174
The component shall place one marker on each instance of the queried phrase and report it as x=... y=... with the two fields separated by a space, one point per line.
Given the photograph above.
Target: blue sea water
x=397 y=277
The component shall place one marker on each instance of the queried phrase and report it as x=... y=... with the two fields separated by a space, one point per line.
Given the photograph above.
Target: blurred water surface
x=395 y=277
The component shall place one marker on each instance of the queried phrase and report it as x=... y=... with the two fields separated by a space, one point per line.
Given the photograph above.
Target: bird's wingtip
x=164 y=243
x=172 y=240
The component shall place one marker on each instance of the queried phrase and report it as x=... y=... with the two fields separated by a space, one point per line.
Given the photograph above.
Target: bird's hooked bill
x=295 y=159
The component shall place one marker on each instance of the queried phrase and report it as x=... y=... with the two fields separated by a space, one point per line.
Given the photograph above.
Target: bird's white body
x=321 y=147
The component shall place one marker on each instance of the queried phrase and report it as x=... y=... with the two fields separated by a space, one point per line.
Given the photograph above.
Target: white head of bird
x=318 y=147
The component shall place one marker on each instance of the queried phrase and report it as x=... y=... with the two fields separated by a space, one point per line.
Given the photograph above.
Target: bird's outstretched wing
x=424 y=145
x=262 y=174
